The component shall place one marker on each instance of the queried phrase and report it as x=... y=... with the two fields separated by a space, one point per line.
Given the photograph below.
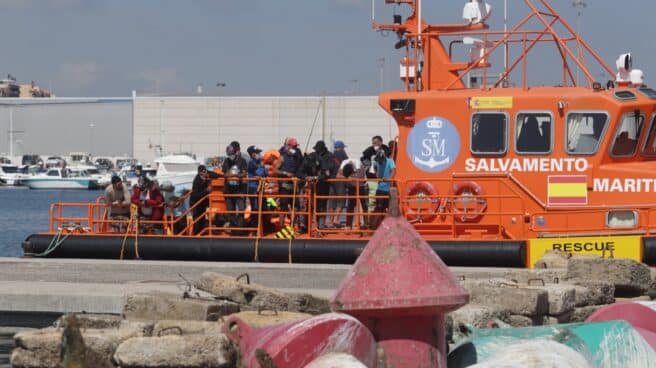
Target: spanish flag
x=564 y=190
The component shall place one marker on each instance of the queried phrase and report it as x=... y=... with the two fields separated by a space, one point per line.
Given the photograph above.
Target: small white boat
x=129 y=174
x=58 y=178
x=180 y=170
x=103 y=179
x=13 y=174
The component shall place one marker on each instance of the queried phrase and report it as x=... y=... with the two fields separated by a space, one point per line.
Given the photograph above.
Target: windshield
x=628 y=132
x=650 y=144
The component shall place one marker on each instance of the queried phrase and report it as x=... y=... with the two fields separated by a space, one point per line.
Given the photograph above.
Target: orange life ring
x=427 y=207
x=467 y=192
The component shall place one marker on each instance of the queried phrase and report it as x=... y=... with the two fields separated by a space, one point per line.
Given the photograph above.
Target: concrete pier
x=31 y=287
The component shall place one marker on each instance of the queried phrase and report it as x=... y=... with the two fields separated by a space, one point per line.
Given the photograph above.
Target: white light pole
x=11 y=132
x=381 y=67
x=221 y=85
x=579 y=5
x=161 y=126
x=91 y=126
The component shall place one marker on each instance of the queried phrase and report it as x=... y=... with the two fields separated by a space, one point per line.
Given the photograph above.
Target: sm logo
x=433 y=144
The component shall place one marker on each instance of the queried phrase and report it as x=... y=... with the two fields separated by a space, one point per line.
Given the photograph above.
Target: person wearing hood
x=234 y=170
x=255 y=171
x=337 y=188
x=290 y=161
x=327 y=170
x=200 y=188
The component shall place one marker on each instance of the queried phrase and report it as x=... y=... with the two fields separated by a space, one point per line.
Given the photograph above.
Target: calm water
x=24 y=211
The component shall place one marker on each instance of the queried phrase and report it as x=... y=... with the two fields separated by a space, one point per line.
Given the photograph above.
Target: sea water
x=25 y=211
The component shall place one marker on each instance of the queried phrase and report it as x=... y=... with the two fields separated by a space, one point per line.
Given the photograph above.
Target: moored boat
x=180 y=170
x=60 y=178
x=489 y=171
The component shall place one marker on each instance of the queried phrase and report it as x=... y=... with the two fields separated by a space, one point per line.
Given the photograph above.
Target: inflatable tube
x=469 y=253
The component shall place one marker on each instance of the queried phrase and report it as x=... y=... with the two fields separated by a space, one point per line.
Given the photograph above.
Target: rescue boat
x=490 y=171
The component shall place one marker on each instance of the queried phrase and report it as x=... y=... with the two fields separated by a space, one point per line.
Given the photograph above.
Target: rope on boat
x=56 y=241
x=289 y=243
x=260 y=190
x=134 y=218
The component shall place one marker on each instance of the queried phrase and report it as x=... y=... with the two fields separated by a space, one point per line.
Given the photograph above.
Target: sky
x=256 y=47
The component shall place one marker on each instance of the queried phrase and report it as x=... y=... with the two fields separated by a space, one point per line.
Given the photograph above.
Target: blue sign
x=433 y=144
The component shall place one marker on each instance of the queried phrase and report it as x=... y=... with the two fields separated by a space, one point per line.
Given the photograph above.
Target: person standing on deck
x=118 y=198
x=327 y=170
x=256 y=171
x=385 y=169
x=234 y=170
x=199 y=191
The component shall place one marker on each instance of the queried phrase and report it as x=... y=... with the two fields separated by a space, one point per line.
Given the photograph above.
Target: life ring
x=467 y=192
x=423 y=204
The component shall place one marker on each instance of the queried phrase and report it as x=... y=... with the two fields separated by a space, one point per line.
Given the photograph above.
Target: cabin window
x=53 y=173
x=628 y=133
x=489 y=132
x=650 y=144
x=533 y=133
x=584 y=132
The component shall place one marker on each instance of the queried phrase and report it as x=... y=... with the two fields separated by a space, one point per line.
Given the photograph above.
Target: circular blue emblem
x=433 y=144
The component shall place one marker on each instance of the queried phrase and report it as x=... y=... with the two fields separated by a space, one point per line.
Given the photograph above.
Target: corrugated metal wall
x=205 y=125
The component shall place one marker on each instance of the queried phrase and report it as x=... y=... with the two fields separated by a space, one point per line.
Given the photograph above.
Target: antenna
x=580 y=5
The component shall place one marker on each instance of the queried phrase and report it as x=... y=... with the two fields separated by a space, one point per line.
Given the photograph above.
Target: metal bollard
x=401 y=290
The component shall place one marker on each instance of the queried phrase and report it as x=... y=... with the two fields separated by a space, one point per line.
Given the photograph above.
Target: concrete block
x=582 y=313
x=228 y=288
x=475 y=315
x=308 y=303
x=42 y=348
x=561 y=297
x=524 y=301
x=553 y=259
x=593 y=293
x=37 y=349
x=210 y=351
x=186 y=327
x=537 y=276
x=95 y=321
x=334 y=360
x=158 y=305
x=629 y=277
x=519 y=321
x=270 y=318
x=556 y=320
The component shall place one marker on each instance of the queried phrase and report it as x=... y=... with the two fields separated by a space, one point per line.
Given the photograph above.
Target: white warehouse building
x=206 y=125
x=145 y=127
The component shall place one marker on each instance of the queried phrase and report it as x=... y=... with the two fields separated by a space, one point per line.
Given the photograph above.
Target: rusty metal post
x=401 y=290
